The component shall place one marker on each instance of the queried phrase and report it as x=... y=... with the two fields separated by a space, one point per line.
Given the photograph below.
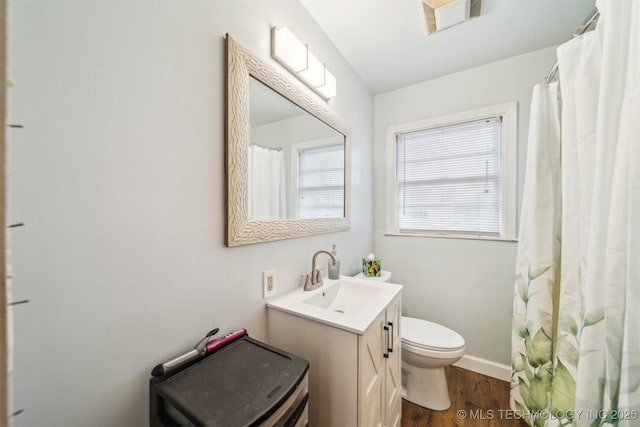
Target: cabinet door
x=371 y=374
x=392 y=383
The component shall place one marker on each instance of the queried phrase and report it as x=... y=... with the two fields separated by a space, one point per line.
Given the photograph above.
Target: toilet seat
x=419 y=334
x=410 y=351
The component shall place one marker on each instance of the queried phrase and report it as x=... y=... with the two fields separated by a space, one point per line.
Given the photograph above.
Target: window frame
x=509 y=113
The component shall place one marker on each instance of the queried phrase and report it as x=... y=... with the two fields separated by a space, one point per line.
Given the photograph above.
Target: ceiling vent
x=442 y=14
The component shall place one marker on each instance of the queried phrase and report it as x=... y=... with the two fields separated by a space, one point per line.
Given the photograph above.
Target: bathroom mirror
x=287 y=156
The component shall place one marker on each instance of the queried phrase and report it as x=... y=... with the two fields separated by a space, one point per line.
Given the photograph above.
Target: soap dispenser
x=334 y=269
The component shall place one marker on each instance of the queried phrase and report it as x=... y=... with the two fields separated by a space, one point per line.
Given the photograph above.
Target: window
x=455 y=175
x=320 y=189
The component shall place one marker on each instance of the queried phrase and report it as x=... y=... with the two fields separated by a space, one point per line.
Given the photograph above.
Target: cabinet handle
x=390 y=347
x=386 y=330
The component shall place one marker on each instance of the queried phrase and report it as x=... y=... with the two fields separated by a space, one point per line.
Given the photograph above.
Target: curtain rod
x=267 y=148
x=582 y=28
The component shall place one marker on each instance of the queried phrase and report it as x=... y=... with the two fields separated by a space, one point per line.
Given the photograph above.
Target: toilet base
x=425 y=387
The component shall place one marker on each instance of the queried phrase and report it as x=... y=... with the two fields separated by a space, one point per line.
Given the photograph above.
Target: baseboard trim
x=485 y=367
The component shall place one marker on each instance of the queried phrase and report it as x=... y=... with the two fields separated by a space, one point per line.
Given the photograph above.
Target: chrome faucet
x=314 y=280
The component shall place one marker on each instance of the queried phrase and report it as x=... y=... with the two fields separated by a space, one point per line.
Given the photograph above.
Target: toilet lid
x=424 y=334
x=385 y=276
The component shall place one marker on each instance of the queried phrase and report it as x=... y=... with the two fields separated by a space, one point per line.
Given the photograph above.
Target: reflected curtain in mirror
x=266 y=183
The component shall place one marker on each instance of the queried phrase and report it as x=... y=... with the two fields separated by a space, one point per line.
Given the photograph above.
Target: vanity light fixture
x=296 y=57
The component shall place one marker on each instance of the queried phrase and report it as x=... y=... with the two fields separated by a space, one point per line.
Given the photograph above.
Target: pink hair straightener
x=218 y=343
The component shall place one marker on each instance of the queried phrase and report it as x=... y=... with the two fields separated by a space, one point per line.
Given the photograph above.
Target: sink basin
x=344 y=297
x=348 y=303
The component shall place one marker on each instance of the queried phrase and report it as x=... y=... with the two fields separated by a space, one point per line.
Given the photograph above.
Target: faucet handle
x=307 y=283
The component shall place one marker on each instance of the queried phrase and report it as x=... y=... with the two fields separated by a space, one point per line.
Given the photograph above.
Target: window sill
x=454 y=236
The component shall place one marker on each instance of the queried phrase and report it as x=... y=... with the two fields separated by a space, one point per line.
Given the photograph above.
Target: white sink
x=345 y=297
x=347 y=303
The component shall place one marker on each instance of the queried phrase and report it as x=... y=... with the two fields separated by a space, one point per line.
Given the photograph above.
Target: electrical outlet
x=269 y=282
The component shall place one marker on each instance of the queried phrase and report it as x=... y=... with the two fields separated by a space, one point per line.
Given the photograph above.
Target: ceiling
x=386 y=44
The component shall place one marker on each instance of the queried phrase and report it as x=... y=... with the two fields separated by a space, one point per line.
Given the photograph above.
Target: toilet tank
x=385 y=276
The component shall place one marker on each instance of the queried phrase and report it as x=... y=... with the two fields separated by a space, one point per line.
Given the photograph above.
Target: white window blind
x=321 y=182
x=449 y=178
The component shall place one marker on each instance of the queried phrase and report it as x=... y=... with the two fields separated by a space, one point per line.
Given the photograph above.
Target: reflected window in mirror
x=320 y=180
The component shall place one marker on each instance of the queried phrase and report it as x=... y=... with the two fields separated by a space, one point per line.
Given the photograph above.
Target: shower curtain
x=576 y=335
x=266 y=183
x=538 y=257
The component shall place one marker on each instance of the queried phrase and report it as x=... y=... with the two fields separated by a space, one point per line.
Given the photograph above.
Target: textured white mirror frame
x=241 y=65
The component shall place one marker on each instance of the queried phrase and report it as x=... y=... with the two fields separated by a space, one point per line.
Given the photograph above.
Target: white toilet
x=427 y=348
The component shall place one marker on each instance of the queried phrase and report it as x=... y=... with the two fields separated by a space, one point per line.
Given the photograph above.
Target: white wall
x=466 y=285
x=118 y=175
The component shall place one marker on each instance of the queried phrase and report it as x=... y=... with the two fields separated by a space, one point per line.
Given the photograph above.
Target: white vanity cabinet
x=393 y=384
x=354 y=377
x=379 y=364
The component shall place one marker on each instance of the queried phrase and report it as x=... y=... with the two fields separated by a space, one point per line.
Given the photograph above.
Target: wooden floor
x=476 y=401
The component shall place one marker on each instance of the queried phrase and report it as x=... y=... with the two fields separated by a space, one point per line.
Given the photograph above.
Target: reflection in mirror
x=296 y=162
x=287 y=156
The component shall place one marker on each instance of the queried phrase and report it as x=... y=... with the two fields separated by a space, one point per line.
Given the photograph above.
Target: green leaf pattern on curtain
x=532 y=362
